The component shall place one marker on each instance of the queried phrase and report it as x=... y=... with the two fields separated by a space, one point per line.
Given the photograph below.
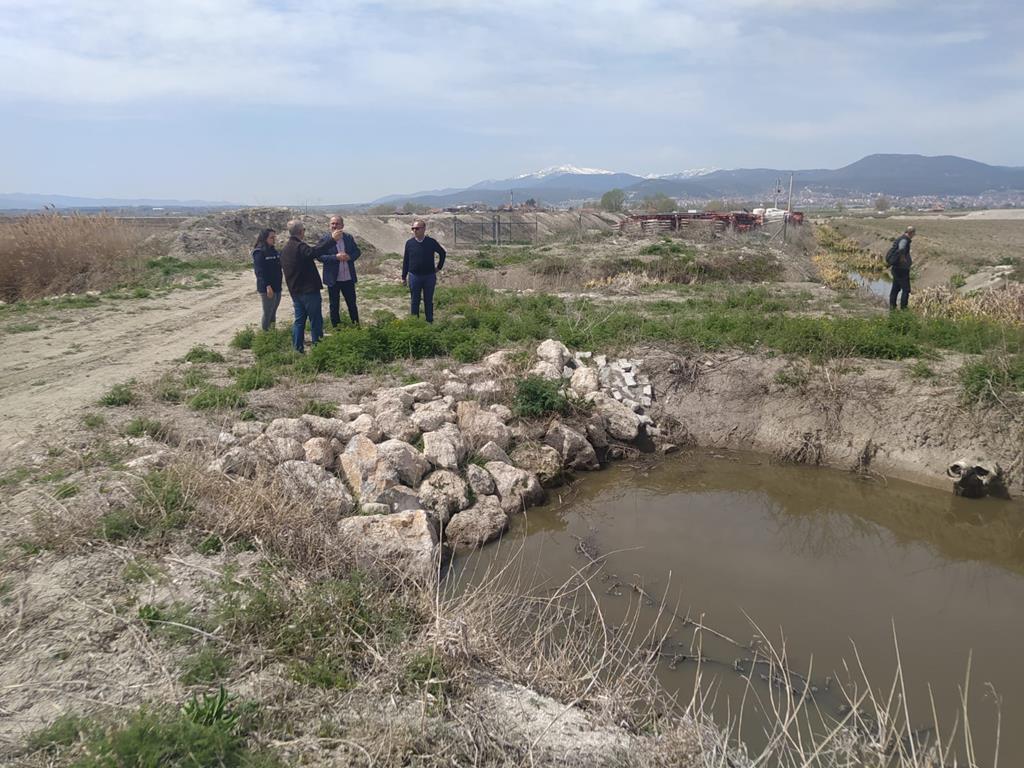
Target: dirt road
x=77 y=355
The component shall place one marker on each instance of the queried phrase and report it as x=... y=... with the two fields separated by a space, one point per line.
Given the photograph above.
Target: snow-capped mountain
x=557 y=170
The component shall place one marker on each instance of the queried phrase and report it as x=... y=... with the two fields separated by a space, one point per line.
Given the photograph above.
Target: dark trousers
x=422 y=284
x=269 y=309
x=900 y=284
x=307 y=306
x=334 y=294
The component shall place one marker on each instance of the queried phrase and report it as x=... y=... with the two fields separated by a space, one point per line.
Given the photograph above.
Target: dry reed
x=50 y=253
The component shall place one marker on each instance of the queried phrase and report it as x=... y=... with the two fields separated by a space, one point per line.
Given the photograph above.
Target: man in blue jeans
x=298 y=262
x=419 y=269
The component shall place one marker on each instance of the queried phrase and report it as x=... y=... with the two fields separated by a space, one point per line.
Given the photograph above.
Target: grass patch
x=244 y=338
x=921 y=370
x=206 y=667
x=142 y=426
x=254 y=377
x=325 y=632
x=15 y=477
x=214 y=398
x=60 y=734
x=993 y=379
x=137 y=571
x=162 y=503
x=119 y=395
x=65 y=491
x=93 y=420
x=171 y=623
x=210 y=545
x=203 y=354
x=319 y=408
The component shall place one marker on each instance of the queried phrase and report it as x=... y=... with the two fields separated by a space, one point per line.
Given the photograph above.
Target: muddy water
x=822 y=558
x=875 y=285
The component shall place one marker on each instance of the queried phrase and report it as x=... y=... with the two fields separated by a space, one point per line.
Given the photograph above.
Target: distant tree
x=714 y=205
x=411 y=207
x=882 y=203
x=531 y=203
x=381 y=210
x=613 y=200
x=840 y=207
x=658 y=203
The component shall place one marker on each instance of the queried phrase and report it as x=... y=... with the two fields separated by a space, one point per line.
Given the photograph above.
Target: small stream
x=875 y=285
x=821 y=557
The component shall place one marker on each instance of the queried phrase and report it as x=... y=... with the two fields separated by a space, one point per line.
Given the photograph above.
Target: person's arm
x=328 y=253
x=352 y=248
x=440 y=252
x=258 y=263
x=405 y=263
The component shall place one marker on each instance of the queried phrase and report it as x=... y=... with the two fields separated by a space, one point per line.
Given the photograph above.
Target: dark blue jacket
x=266 y=263
x=330 y=259
x=419 y=257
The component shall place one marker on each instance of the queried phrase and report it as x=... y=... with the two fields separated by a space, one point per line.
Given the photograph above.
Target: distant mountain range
x=899 y=175
x=33 y=202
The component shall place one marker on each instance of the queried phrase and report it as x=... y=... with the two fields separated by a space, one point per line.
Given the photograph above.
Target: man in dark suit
x=340 y=272
x=298 y=262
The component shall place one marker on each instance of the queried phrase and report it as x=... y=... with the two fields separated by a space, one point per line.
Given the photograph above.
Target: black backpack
x=894 y=252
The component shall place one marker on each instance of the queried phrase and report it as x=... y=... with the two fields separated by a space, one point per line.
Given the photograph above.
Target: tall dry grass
x=49 y=253
x=1004 y=305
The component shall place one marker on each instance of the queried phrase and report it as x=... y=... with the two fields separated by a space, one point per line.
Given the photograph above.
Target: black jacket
x=266 y=263
x=900 y=249
x=298 y=262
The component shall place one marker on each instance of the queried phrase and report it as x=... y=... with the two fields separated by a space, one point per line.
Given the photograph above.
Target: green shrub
x=203 y=354
x=254 y=377
x=211 y=397
x=117 y=395
x=65 y=491
x=244 y=338
x=536 y=396
x=992 y=379
x=149 y=427
x=93 y=420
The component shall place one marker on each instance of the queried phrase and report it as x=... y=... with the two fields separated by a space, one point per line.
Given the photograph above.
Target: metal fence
x=495 y=229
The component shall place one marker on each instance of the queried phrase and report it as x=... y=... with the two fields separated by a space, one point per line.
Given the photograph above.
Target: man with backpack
x=898 y=259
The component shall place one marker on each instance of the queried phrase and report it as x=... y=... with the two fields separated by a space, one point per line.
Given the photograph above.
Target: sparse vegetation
x=203 y=354
x=536 y=396
x=213 y=398
x=119 y=395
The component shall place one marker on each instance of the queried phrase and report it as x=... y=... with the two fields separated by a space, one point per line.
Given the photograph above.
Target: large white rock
x=401 y=498
x=367 y=471
x=542 y=461
x=619 y=420
x=309 y=484
x=445 y=447
x=482 y=426
x=555 y=354
x=421 y=391
x=247 y=428
x=236 y=461
x=444 y=493
x=575 y=450
x=430 y=416
x=474 y=527
x=493 y=452
x=584 y=381
x=397 y=425
x=516 y=489
x=546 y=370
x=499 y=359
x=366 y=425
x=401 y=546
x=410 y=464
x=295 y=429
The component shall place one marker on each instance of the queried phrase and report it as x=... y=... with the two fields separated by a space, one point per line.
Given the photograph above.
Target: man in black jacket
x=898 y=258
x=340 y=272
x=419 y=268
x=298 y=262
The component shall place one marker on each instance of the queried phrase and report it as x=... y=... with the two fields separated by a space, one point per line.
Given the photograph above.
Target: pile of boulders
x=411 y=470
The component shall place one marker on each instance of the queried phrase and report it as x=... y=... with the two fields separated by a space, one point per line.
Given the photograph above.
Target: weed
x=172 y=623
x=141 y=293
x=255 y=377
x=244 y=338
x=15 y=477
x=318 y=408
x=205 y=667
x=920 y=370
x=149 y=427
x=957 y=281
x=426 y=673
x=119 y=524
x=536 y=396
x=136 y=571
x=211 y=545
x=194 y=378
x=212 y=710
x=203 y=354
x=990 y=380
x=93 y=420
x=62 y=732
x=211 y=397
x=118 y=395
x=168 y=390
x=65 y=491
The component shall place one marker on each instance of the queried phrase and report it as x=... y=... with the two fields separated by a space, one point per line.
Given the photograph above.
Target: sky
x=339 y=101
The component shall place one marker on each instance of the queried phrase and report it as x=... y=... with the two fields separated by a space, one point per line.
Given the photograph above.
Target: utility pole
x=789 y=209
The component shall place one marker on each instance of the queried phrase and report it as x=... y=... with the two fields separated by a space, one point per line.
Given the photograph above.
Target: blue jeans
x=422 y=284
x=307 y=306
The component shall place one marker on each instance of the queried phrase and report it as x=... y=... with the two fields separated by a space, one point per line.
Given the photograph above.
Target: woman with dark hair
x=266 y=263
